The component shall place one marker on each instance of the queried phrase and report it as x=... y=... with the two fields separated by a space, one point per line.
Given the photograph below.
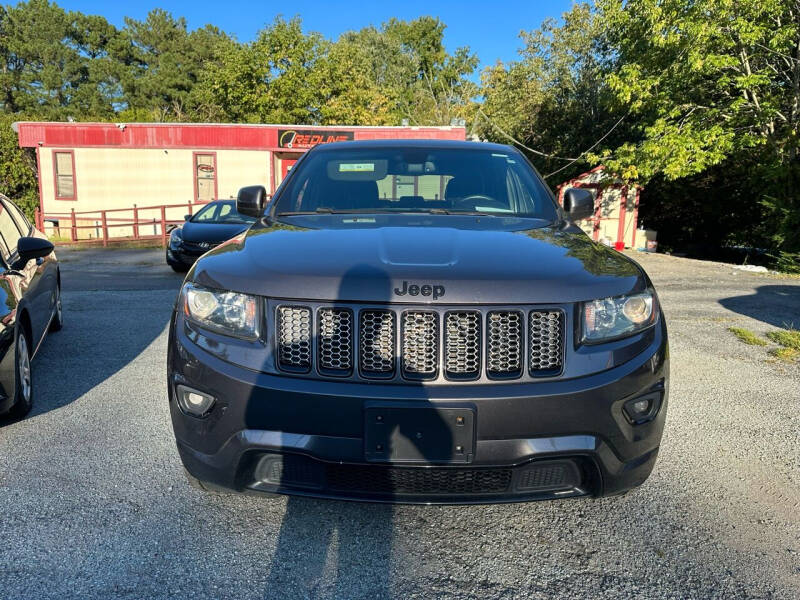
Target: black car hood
x=474 y=266
x=211 y=232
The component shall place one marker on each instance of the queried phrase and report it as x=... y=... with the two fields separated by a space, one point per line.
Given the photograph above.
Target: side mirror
x=187 y=217
x=251 y=201
x=33 y=247
x=578 y=204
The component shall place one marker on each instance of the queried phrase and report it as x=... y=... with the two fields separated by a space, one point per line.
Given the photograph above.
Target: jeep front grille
x=294 y=337
x=335 y=340
x=425 y=343
x=504 y=355
x=377 y=344
x=420 y=344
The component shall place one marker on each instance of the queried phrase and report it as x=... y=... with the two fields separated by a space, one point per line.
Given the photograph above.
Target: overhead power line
x=571 y=161
x=590 y=148
x=517 y=142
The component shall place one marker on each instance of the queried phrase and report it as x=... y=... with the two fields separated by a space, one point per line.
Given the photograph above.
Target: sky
x=493 y=35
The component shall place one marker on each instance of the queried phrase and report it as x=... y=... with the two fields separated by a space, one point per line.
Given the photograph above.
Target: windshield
x=416 y=179
x=221 y=213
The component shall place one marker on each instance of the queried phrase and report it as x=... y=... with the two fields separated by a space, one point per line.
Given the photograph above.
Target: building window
x=64 y=173
x=205 y=177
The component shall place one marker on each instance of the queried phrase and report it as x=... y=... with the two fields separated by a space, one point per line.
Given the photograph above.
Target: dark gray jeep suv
x=417 y=321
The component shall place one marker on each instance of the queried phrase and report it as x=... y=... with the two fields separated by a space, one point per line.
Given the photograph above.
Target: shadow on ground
x=776 y=305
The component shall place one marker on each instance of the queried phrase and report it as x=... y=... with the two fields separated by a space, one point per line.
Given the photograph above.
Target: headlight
x=617 y=317
x=175 y=238
x=226 y=312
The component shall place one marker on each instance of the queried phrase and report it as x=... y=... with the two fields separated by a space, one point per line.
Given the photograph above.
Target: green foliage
x=555 y=98
x=786 y=354
x=790 y=338
x=788 y=262
x=710 y=82
x=746 y=336
x=697 y=101
x=17 y=169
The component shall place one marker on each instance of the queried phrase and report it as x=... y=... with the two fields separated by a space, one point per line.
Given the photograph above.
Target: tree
x=162 y=64
x=17 y=169
x=706 y=83
x=274 y=79
x=435 y=87
x=555 y=99
x=45 y=61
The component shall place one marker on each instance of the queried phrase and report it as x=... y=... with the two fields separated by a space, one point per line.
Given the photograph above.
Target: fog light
x=642 y=409
x=193 y=402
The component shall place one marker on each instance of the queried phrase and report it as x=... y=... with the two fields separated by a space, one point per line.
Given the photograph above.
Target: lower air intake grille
x=411 y=481
x=550 y=476
x=376 y=343
x=335 y=339
x=545 y=329
x=463 y=344
x=294 y=337
x=420 y=344
x=504 y=343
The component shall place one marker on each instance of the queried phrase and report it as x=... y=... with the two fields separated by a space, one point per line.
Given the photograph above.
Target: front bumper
x=180 y=257
x=549 y=439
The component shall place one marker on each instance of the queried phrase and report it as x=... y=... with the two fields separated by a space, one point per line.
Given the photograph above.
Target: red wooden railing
x=104 y=225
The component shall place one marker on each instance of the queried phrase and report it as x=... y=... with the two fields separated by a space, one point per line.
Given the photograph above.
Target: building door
x=282 y=163
x=286 y=166
x=205 y=177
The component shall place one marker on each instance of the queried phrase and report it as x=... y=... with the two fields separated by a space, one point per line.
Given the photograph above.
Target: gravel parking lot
x=95 y=505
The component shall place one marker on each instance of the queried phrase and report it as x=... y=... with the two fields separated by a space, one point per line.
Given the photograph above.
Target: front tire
x=23 y=388
x=58 y=319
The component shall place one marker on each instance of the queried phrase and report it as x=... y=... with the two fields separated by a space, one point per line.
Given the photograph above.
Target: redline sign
x=304 y=139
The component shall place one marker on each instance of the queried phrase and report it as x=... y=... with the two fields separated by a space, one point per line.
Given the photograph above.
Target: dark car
x=417 y=321
x=216 y=222
x=30 y=305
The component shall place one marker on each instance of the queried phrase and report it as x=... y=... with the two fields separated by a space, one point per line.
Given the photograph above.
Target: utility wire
x=590 y=148
x=571 y=162
x=518 y=143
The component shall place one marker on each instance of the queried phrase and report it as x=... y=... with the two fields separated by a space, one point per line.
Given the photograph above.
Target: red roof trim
x=197 y=136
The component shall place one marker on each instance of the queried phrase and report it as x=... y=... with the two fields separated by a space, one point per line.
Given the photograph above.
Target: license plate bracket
x=419 y=434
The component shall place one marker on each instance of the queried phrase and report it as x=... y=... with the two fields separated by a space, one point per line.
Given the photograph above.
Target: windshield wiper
x=399 y=211
x=444 y=211
x=324 y=210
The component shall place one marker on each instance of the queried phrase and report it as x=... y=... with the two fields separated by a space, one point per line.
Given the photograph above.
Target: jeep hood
x=475 y=266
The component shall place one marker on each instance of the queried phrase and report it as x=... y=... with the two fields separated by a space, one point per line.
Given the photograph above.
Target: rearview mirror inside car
x=251 y=200
x=578 y=204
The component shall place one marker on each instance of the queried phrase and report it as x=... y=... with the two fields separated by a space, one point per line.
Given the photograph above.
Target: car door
x=33 y=292
x=47 y=266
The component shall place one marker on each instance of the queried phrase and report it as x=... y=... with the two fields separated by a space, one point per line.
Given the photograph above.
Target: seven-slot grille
x=457 y=342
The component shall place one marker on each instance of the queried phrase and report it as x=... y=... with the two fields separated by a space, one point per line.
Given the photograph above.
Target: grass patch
x=790 y=338
x=785 y=354
x=747 y=336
